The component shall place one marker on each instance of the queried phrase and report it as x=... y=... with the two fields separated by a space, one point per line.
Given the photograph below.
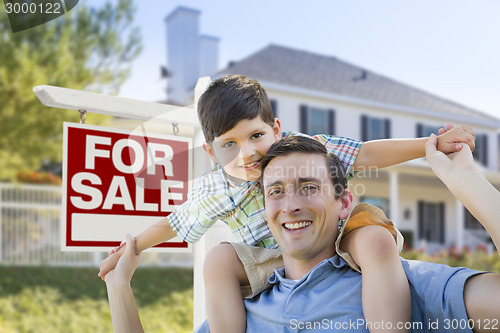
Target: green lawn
x=50 y=299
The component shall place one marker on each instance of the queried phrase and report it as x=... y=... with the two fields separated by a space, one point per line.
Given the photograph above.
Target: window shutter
x=420 y=130
x=420 y=206
x=441 y=223
x=303 y=119
x=331 y=122
x=484 y=152
x=364 y=128
x=387 y=128
x=274 y=107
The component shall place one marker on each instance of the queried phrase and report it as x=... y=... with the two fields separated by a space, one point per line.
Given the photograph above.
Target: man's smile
x=296 y=225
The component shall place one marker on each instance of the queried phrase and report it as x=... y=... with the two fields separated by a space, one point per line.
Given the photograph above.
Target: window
x=470 y=221
x=431 y=222
x=316 y=121
x=480 y=153
x=378 y=202
x=373 y=128
x=426 y=130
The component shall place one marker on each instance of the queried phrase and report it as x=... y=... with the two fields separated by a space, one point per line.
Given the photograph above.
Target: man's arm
x=387 y=152
x=124 y=313
x=458 y=173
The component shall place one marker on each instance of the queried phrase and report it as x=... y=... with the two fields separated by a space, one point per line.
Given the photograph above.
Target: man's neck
x=297 y=268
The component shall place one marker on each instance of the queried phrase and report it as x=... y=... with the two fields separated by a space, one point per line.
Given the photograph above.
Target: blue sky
x=448 y=47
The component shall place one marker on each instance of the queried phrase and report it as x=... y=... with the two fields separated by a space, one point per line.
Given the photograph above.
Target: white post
x=201 y=165
x=394 y=196
x=199 y=249
x=459 y=210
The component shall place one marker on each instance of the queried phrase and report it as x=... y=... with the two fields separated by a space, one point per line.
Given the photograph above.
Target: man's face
x=241 y=149
x=301 y=207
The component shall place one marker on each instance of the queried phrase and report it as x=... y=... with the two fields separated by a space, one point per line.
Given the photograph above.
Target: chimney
x=183 y=49
x=209 y=55
x=189 y=54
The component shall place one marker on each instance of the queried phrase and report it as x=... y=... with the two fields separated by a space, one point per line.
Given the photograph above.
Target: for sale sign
x=117 y=182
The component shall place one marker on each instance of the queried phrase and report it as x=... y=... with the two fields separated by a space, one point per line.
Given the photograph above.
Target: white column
x=460 y=218
x=394 y=196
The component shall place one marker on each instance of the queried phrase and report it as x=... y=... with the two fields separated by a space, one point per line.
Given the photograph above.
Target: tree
x=86 y=49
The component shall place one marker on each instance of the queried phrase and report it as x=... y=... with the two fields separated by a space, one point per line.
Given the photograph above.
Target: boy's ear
x=210 y=151
x=277 y=129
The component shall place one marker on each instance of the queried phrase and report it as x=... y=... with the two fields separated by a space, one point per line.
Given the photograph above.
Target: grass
x=54 y=299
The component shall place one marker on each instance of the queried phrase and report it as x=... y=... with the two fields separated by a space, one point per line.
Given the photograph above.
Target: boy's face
x=241 y=149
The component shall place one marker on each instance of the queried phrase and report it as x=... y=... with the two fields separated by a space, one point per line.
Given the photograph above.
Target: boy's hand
x=110 y=262
x=126 y=265
x=450 y=139
x=446 y=166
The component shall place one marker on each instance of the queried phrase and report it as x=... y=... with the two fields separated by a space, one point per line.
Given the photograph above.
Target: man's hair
x=303 y=144
x=230 y=99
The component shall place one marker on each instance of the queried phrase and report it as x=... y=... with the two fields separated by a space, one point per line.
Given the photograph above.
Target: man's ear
x=346 y=204
x=277 y=129
x=208 y=148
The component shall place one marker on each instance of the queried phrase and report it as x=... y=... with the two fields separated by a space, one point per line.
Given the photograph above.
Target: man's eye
x=309 y=188
x=275 y=191
x=228 y=144
x=257 y=135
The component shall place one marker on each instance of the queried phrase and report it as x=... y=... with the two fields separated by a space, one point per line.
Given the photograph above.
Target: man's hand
x=126 y=265
x=110 y=262
x=445 y=166
x=449 y=138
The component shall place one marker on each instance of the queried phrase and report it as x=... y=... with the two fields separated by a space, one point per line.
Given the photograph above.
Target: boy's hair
x=302 y=144
x=230 y=99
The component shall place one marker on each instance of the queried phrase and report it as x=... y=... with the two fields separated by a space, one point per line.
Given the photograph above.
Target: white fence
x=30 y=231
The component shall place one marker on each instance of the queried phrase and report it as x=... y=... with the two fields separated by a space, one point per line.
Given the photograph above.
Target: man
x=306 y=197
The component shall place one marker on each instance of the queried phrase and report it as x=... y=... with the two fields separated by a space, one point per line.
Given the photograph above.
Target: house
x=314 y=93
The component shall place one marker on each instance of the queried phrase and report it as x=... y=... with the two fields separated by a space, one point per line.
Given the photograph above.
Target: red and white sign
x=117 y=182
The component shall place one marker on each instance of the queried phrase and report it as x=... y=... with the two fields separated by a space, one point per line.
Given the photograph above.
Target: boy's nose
x=247 y=150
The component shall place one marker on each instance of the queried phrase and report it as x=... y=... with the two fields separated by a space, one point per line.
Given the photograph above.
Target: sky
x=450 y=48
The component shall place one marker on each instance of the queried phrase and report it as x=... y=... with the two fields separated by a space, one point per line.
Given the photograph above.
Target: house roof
x=328 y=74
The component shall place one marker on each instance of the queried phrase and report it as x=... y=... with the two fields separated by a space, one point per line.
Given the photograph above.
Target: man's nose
x=291 y=204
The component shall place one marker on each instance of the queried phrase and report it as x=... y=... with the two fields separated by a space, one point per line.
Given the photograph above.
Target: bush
x=54 y=299
x=479 y=259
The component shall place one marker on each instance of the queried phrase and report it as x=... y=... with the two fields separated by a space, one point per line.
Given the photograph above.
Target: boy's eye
x=228 y=144
x=257 y=135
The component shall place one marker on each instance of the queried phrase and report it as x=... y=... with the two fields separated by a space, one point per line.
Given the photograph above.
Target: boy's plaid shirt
x=241 y=207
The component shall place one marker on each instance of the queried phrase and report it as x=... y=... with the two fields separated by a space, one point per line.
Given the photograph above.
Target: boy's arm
x=458 y=173
x=157 y=233
x=387 y=152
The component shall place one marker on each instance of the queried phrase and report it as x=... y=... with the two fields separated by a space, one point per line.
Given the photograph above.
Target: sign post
x=122 y=107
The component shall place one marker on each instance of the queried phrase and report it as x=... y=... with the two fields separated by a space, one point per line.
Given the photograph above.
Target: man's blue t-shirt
x=328 y=299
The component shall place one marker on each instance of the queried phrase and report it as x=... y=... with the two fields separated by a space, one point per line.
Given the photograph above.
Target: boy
x=239 y=128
